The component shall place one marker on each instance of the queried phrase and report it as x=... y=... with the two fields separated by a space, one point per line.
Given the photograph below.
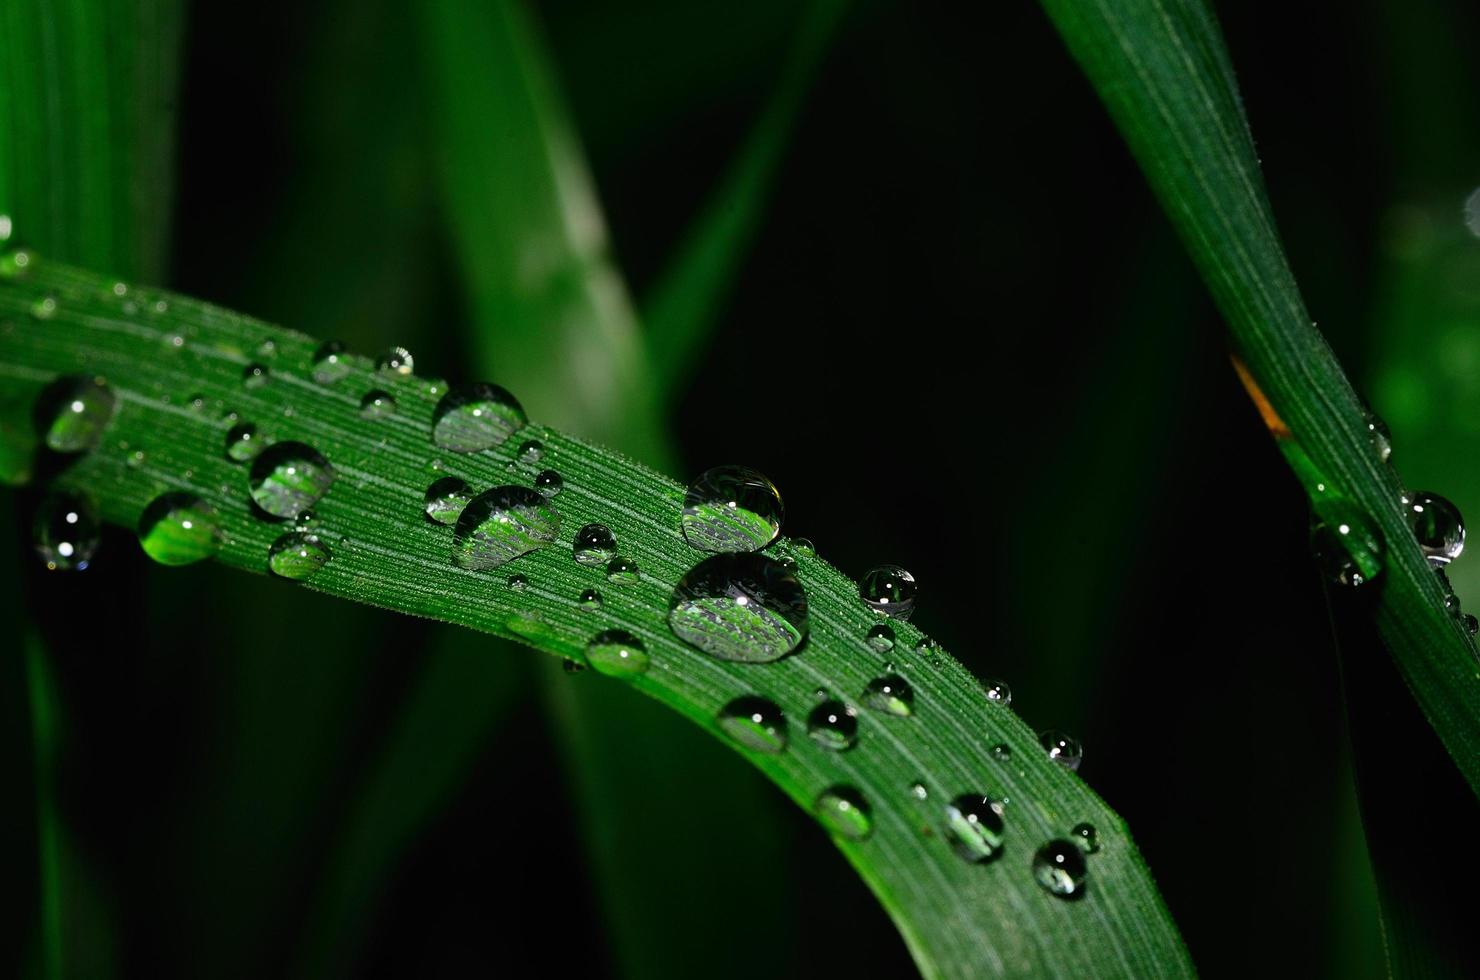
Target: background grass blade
x=958 y=919
x=1163 y=73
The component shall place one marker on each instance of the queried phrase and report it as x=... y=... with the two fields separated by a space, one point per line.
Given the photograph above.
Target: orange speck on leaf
x=1272 y=420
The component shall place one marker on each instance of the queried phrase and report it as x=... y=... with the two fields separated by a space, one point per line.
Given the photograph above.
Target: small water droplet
x=474 y=417
x=44 y=308
x=844 y=812
x=298 y=555
x=1437 y=525
x=377 y=404
x=1348 y=549
x=591 y=599
x=889 y=589
x=1382 y=439
x=446 y=498
x=396 y=361
x=623 y=571
x=1471 y=624
x=918 y=791
x=135 y=460
x=880 y=638
x=1085 y=837
x=179 y=529
x=501 y=524
x=595 y=545
x=65 y=532
x=1061 y=748
x=517 y=583
x=833 y=725
x=196 y=403
x=1002 y=752
x=330 y=363
x=267 y=349
x=740 y=606
x=975 y=828
x=731 y=508
x=16 y=264
x=254 y=375
x=549 y=483
x=998 y=692
x=1059 y=868
x=73 y=411
x=530 y=450
x=755 y=723
x=891 y=694
x=242 y=444
x=288 y=478
x=617 y=653
x=804 y=547
x=926 y=647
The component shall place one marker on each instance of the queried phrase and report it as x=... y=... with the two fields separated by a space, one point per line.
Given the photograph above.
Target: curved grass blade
x=958 y=918
x=1162 y=71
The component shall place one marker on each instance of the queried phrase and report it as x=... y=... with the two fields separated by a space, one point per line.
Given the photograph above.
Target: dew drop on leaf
x=517 y=583
x=242 y=442
x=330 y=363
x=396 y=361
x=833 y=725
x=288 y=478
x=881 y=638
x=890 y=694
x=974 y=828
x=44 y=308
x=918 y=791
x=1085 y=836
x=804 y=547
x=1348 y=549
x=595 y=545
x=889 y=589
x=731 y=508
x=1059 y=867
x=377 y=404
x=622 y=571
x=1437 y=525
x=590 y=599
x=1002 y=752
x=755 y=723
x=501 y=524
x=73 y=411
x=474 y=417
x=844 y=812
x=740 y=606
x=65 y=532
x=1061 y=748
x=530 y=451
x=179 y=529
x=298 y=555
x=1382 y=439
x=549 y=483
x=254 y=375
x=998 y=692
x=617 y=653
x=446 y=498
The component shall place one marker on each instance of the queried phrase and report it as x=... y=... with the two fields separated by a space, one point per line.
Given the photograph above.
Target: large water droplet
x=501 y=524
x=73 y=411
x=595 y=545
x=731 y=508
x=881 y=638
x=889 y=589
x=446 y=498
x=242 y=443
x=298 y=555
x=833 y=725
x=288 y=478
x=740 y=606
x=474 y=417
x=1059 y=867
x=396 y=361
x=975 y=829
x=377 y=404
x=1085 y=837
x=1437 y=525
x=844 y=812
x=617 y=653
x=755 y=723
x=66 y=532
x=891 y=694
x=1061 y=748
x=179 y=529
x=330 y=363
x=1347 y=548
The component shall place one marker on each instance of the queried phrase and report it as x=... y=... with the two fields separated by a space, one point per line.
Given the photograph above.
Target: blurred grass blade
x=44 y=710
x=1161 y=69
x=684 y=304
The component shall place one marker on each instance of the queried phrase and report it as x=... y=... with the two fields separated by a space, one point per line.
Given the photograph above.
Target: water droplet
x=1437 y=525
x=998 y=692
x=65 y=532
x=1002 y=752
x=397 y=361
x=572 y=666
x=1061 y=748
x=1382 y=439
x=298 y=555
x=918 y=791
x=266 y=350
x=1084 y=835
x=833 y=725
x=501 y=524
x=1348 y=549
x=891 y=694
x=549 y=483
x=530 y=450
x=595 y=545
x=377 y=404
x=446 y=498
x=254 y=375
x=889 y=589
x=196 y=403
x=288 y=478
x=135 y=459
x=179 y=529
x=975 y=829
x=804 y=547
x=617 y=653
x=1059 y=867
x=844 y=812
x=881 y=638
x=517 y=583
x=474 y=417
x=1471 y=624
x=242 y=444
x=755 y=723
x=330 y=363
x=73 y=411
x=926 y=647
x=44 y=308
x=731 y=508
x=740 y=606
x=591 y=599
x=623 y=571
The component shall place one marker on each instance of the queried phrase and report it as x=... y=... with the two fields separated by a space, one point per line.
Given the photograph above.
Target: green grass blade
x=685 y=302
x=1161 y=69
x=959 y=919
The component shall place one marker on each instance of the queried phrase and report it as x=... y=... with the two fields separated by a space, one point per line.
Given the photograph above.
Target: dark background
x=964 y=340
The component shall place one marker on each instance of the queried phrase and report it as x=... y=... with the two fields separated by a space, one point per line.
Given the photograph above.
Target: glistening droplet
x=73 y=411
x=740 y=606
x=65 y=532
x=298 y=555
x=396 y=361
x=833 y=725
x=501 y=524
x=617 y=653
x=844 y=812
x=1348 y=548
x=288 y=478
x=890 y=694
x=998 y=692
x=330 y=363
x=179 y=529
x=731 y=508
x=377 y=404
x=594 y=545
x=755 y=723
x=446 y=498
x=1059 y=867
x=474 y=417
x=1437 y=525
x=975 y=828
x=1085 y=837
x=881 y=638
x=549 y=483
x=889 y=589
x=1061 y=748
x=622 y=571
x=243 y=443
